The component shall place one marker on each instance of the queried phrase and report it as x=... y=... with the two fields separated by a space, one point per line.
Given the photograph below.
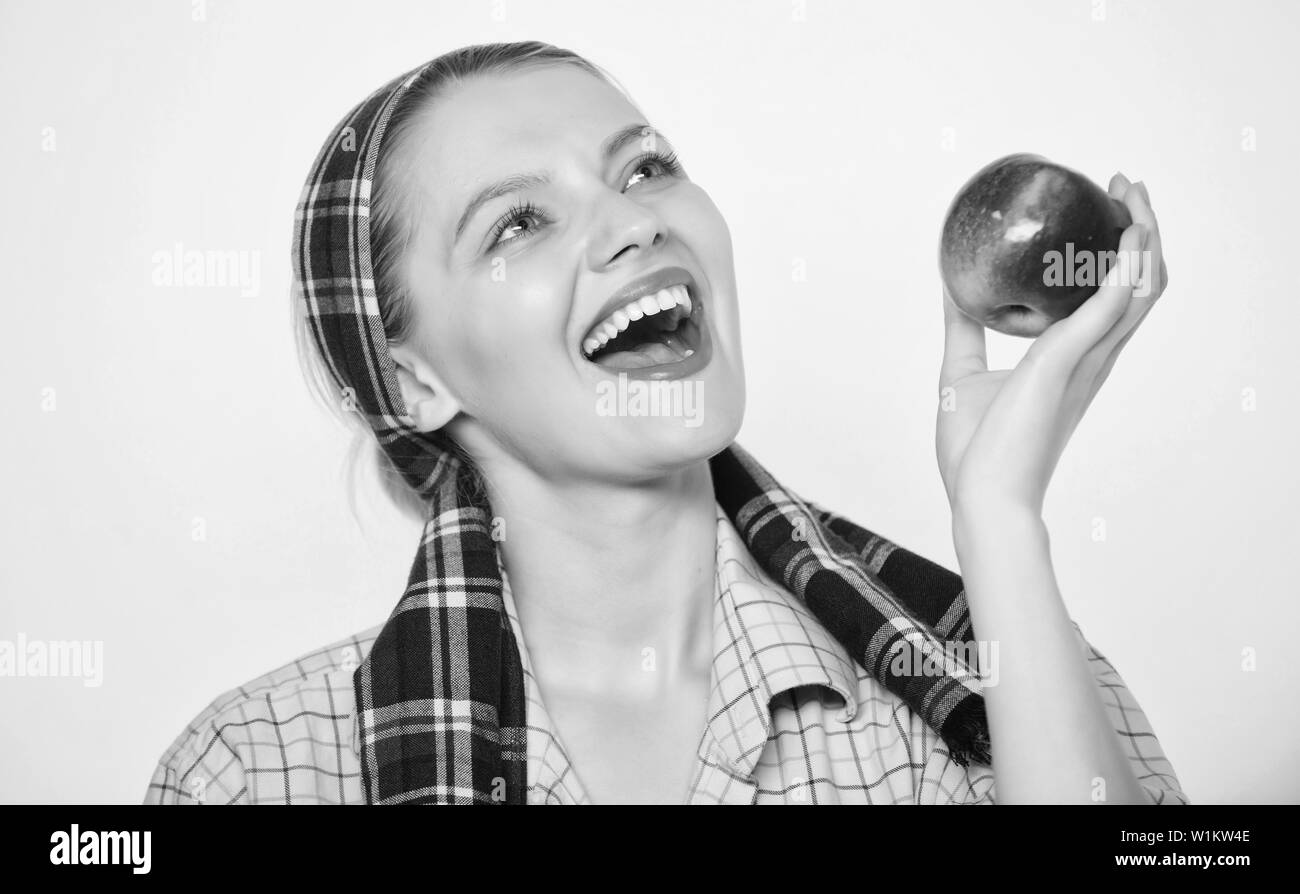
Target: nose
x=624 y=229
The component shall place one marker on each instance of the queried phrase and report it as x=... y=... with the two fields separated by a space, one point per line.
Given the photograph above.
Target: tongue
x=669 y=349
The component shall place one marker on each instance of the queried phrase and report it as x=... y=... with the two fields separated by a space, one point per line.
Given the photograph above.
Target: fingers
x=1097 y=364
x=1138 y=202
x=1067 y=341
x=1148 y=288
x=964 y=350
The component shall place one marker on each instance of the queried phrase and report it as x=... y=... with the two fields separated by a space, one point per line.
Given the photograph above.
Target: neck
x=611 y=580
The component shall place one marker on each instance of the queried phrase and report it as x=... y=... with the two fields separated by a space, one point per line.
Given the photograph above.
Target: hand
x=1000 y=433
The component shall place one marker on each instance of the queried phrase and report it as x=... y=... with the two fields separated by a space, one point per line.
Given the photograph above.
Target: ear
x=429 y=402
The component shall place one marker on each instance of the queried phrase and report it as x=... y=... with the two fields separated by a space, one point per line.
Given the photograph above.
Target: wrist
x=995 y=524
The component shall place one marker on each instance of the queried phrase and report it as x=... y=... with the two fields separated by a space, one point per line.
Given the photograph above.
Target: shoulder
x=297 y=715
x=292 y=681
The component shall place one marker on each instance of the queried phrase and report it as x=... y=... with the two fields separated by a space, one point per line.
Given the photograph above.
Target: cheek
x=705 y=232
x=705 y=229
x=506 y=335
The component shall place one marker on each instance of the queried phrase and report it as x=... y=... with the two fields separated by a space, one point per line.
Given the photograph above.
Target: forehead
x=495 y=125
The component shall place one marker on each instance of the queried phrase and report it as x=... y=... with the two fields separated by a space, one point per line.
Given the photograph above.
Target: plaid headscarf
x=440 y=696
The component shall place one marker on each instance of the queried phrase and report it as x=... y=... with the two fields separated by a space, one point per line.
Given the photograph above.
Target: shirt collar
x=766 y=642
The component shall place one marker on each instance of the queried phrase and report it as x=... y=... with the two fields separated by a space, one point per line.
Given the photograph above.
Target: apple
x=1026 y=242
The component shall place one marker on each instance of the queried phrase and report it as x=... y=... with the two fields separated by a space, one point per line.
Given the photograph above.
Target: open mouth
x=654 y=330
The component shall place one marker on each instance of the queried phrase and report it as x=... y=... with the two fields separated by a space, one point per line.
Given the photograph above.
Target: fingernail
x=1146 y=195
x=1142 y=235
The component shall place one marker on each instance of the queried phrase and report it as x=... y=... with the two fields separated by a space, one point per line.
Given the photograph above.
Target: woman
x=611 y=604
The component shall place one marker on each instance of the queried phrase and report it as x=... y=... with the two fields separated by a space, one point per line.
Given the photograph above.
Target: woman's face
x=573 y=291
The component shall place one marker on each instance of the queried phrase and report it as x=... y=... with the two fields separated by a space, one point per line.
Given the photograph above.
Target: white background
x=824 y=142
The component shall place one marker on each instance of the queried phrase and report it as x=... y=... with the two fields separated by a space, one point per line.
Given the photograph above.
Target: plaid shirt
x=792 y=719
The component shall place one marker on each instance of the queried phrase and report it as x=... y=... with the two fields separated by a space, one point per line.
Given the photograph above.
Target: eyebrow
x=613 y=144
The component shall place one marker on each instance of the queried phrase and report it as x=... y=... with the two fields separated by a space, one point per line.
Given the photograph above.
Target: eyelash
x=527 y=209
x=668 y=159
x=671 y=164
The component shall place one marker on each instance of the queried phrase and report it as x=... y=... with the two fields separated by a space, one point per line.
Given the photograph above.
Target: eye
x=513 y=222
x=653 y=165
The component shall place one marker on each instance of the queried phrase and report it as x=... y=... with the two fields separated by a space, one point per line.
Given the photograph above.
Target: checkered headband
x=335 y=281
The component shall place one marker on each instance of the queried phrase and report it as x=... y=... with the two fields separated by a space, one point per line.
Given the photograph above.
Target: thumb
x=964 y=350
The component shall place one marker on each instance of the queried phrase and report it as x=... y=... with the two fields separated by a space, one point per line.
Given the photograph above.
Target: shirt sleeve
x=943 y=781
x=199 y=768
x=1138 y=739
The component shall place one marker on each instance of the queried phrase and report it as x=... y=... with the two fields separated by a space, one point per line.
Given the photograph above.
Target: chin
x=665 y=443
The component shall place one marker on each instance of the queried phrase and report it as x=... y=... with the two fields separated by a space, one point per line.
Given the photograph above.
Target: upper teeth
x=645 y=306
